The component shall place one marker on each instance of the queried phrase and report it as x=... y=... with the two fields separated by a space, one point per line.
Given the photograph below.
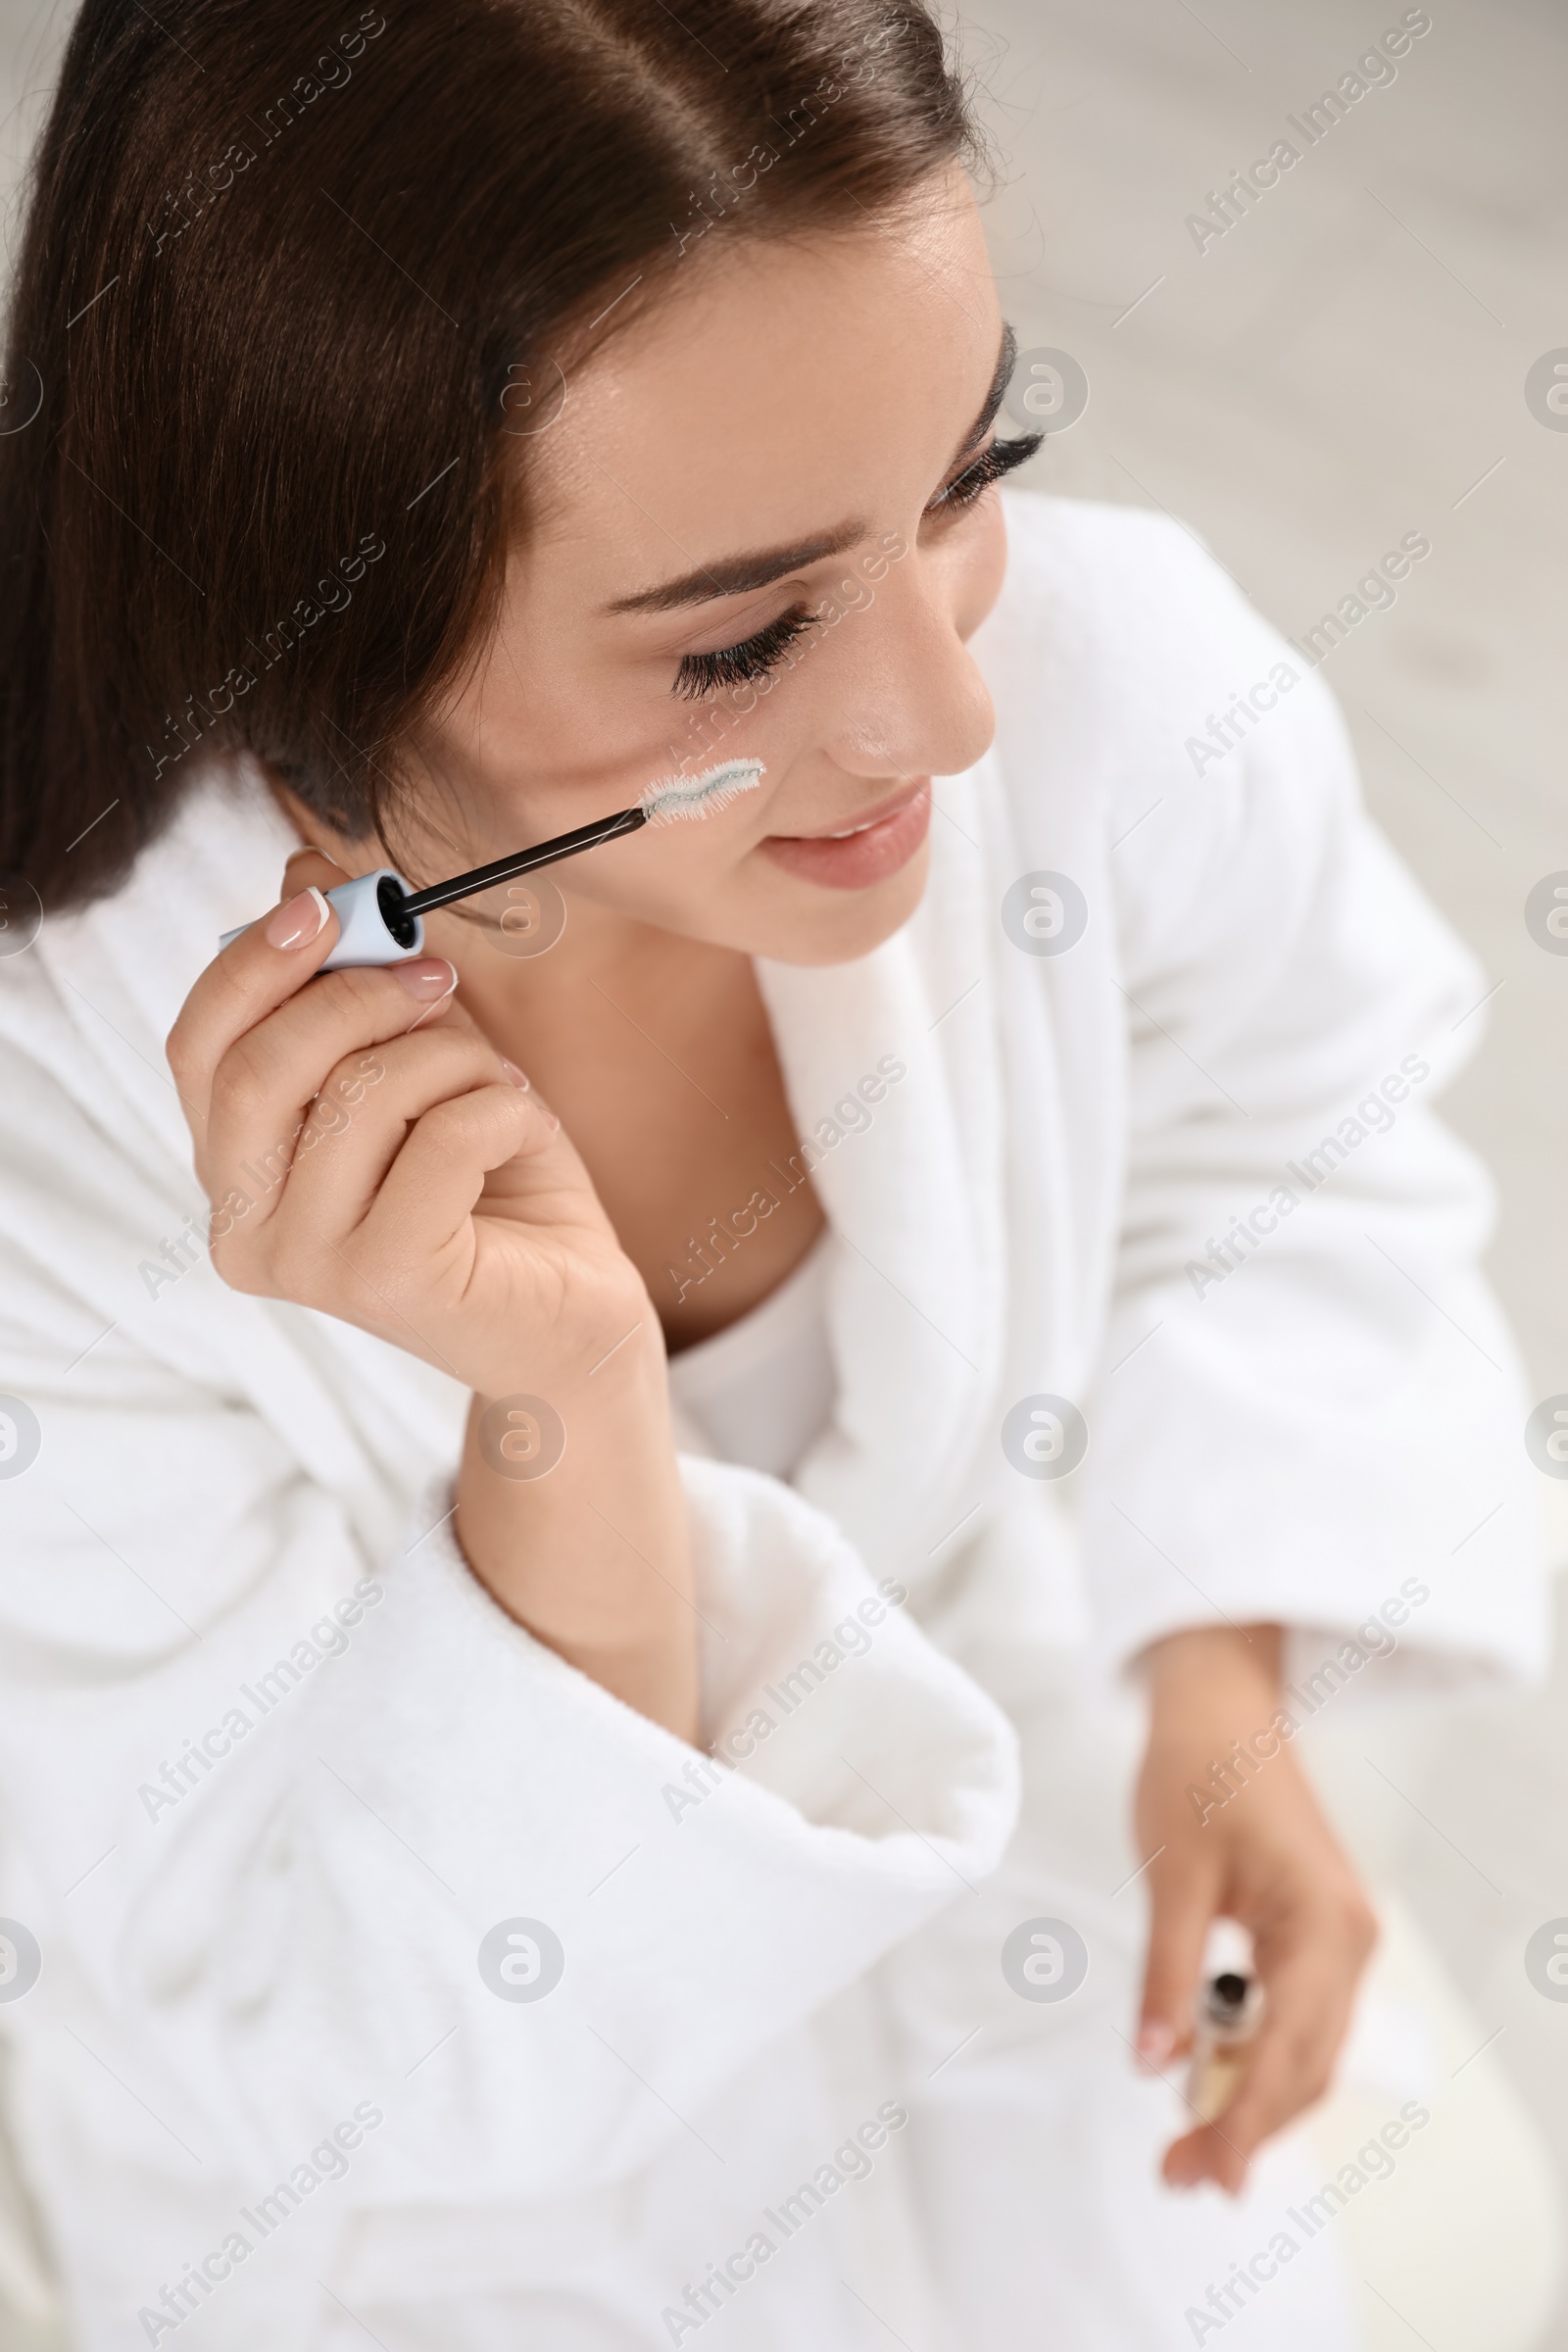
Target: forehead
x=767 y=390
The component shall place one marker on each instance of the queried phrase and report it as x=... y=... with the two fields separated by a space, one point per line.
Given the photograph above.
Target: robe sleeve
x=1309 y=1408
x=302 y=1822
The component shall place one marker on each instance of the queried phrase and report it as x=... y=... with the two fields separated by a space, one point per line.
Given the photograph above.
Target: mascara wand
x=380 y=918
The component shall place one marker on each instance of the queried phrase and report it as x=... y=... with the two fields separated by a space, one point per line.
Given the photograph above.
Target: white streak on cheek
x=676 y=797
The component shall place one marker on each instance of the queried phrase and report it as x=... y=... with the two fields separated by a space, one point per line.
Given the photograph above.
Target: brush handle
x=381 y=917
x=527 y=862
x=375 y=927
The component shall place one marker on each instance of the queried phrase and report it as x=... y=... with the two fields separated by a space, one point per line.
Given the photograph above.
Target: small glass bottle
x=1227 y=2013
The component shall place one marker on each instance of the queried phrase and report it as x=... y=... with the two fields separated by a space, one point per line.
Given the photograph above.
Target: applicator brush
x=380 y=916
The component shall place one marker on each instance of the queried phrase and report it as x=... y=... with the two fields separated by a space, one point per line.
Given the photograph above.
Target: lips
x=855 y=858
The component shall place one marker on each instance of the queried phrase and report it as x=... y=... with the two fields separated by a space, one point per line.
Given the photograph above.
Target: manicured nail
x=1155 y=2042
x=430 y=979
x=516 y=1076
x=297 y=920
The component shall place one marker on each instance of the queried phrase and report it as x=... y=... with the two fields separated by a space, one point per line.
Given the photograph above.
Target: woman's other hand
x=1263 y=1855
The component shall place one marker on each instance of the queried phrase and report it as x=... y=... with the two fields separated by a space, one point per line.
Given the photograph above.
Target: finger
x=277 y=955
x=1282 y=2078
x=1311 y=1994
x=1205 y=2154
x=429 y=1190
x=1184 y=1896
x=364 y=1112
x=306 y=865
x=260 y=1092
x=1310 y=1971
x=423 y=1213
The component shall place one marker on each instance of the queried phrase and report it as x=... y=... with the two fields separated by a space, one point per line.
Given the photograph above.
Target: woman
x=591 y=1519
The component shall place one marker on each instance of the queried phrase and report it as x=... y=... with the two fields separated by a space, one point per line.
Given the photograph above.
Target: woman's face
x=777 y=439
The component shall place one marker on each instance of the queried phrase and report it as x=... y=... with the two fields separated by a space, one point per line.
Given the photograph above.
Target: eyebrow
x=734 y=575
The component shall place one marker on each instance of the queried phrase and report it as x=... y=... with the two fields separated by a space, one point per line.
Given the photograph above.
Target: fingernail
x=429 y=980
x=516 y=1076
x=1155 y=2042
x=297 y=920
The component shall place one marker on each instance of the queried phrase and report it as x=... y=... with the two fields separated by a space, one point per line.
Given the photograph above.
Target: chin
x=806 y=924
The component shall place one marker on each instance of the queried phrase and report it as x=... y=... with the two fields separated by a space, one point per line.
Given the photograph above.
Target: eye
x=999 y=459
x=753 y=657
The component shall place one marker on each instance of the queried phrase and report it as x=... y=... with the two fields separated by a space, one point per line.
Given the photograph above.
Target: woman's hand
x=370 y=1154
x=367 y=1152
x=1264 y=1856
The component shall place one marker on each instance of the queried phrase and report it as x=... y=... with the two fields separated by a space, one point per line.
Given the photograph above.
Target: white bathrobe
x=273 y=1766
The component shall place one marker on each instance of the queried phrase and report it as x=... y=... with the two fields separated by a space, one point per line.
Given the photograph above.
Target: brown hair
x=297 y=284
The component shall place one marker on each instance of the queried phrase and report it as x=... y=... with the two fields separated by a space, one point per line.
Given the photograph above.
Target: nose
x=916 y=702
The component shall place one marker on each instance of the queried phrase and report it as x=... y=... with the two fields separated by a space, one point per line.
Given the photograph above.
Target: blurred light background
x=1344 y=365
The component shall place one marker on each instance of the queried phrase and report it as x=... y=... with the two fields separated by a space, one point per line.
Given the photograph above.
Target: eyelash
x=753 y=657
x=989 y=467
x=737 y=664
